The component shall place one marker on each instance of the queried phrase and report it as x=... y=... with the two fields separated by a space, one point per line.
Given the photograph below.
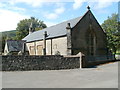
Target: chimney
x=31 y=29
x=68 y=26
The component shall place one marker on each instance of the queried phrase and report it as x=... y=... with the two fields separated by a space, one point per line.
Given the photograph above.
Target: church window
x=92 y=43
x=32 y=50
x=39 y=49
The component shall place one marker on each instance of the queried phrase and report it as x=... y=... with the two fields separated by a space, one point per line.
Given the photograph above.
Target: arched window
x=91 y=43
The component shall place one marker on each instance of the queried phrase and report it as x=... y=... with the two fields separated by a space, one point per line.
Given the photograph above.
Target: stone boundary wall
x=89 y=61
x=27 y=63
x=50 y=62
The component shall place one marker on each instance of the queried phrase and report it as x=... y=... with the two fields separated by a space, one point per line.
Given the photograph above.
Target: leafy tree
x=23 y=27
x=111 y=28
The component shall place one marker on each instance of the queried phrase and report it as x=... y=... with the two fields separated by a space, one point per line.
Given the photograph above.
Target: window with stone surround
x=92 y=43
x=32 y=50
x=39 y=49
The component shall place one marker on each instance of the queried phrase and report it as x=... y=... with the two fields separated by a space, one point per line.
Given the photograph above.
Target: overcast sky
x=52 y=12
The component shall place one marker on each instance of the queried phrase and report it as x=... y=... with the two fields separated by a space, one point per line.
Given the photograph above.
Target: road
x=103 y=76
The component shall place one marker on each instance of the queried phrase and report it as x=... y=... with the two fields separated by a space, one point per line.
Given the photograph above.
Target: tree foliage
x=111 y=28
x=23 y=27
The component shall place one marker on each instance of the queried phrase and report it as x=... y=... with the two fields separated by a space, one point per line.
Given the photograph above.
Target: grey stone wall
x=80 y=34
x=50 y=62
x=25 y=63
x=90 y=61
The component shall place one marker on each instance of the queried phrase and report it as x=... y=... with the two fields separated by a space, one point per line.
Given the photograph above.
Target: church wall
x=79 y=36
x=101 y=39
x=53 y=46
x=60 y=45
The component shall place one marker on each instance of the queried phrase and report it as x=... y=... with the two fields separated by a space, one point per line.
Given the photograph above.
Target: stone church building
x=82 y=34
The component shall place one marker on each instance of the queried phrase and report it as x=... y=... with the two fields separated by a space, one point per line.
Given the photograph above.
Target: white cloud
x=100 y=4
x=97 y=4
x=18 y=9
x=2 y=5
x=78 y=3
x=11 y=7
x=9 y=19
x=59 y=10
x=34 y=3
x=55 y=14
x=51 y=16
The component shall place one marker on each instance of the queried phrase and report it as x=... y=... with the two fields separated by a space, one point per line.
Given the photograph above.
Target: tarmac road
x=104 y=76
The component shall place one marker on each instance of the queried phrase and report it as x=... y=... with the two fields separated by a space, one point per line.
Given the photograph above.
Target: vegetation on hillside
x=9 y=34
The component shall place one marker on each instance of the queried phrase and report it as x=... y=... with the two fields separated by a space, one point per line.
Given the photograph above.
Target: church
x=82 y=34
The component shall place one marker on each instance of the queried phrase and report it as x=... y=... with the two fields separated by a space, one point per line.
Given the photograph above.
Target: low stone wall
x=52 y=62
x=25 y=63
x=89 y=61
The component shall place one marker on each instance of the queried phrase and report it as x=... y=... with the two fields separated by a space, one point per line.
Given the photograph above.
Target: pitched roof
x=15 y=45
x=53 y=31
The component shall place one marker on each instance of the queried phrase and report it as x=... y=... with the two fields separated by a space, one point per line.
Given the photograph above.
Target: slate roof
x=53 y=31
x=15 y=45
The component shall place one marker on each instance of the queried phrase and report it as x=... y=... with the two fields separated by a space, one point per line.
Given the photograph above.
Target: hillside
x=10 y=34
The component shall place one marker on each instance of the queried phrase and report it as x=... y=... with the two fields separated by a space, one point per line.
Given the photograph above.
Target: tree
x=111 y=28
x=23 y=27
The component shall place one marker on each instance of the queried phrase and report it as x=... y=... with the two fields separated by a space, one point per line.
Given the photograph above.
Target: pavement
x=103 y=76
